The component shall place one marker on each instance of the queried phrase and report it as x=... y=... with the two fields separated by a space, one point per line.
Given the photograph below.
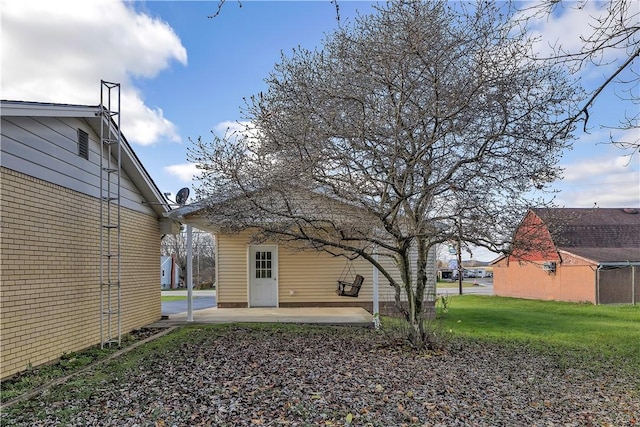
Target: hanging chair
x=348 y=279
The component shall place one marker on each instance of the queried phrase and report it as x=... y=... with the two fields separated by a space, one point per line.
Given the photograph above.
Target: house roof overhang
x=213 y=214
x=193 y=214
x=609 y=256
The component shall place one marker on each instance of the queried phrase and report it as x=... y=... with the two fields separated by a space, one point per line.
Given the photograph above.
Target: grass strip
x=593 y=335
x=173 y=298
x=30 y=392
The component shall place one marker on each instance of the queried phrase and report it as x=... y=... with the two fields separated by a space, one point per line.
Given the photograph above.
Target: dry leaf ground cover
x=279 y=375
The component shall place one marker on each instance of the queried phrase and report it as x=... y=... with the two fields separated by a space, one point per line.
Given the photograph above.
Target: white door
x=263 y=276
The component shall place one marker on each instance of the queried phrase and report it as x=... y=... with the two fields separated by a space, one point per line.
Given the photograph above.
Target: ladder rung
x=110 y=170
x=110 y=311
x=109 y=199
x=110 y=226
x=109 y=255
x=109 y=141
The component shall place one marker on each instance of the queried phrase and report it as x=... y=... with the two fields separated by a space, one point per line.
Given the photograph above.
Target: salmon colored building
x=579 y=255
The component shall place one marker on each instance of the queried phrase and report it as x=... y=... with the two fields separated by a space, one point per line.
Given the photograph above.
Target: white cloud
x=58 y=51
x=566 y=29
x=234 y=127
x=184 y=172
x=144 y=124
x=601 y=196
x=601 y=169
x=607 y=182
x=569 y=23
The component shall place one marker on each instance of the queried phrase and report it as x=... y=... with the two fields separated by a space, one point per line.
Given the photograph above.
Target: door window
x=263 y=265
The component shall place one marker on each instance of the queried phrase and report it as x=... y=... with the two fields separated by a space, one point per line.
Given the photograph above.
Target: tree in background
x=426 y=120
x=611 y=45
x=204 y=247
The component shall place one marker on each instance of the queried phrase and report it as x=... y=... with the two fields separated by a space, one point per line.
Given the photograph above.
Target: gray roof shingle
x=599 y=234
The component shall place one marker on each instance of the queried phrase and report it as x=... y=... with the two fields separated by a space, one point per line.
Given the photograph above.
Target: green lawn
x=173 y=298
x=585 y=336
x=589 y=333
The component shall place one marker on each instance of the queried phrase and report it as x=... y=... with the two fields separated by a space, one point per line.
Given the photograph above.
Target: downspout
x=598 y=284
x=633 y=285
x=376 y=303
x=172 y=283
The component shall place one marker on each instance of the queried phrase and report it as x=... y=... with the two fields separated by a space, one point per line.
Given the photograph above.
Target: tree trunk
x=414 y=290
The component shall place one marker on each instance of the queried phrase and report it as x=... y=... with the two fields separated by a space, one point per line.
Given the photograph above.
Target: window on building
x=263 y=265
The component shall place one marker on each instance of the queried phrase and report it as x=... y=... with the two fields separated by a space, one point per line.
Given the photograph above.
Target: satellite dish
x=182 y=196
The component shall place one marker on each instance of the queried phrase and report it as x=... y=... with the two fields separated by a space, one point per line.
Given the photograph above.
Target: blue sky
x=184 y=75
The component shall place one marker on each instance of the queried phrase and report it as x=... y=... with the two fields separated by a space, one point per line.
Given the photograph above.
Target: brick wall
x=49 y=259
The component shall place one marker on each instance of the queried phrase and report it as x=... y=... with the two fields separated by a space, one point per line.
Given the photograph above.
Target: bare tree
x=203 y=245
x=176 y=245
x=222 y=2
x=612 y=45
x=423 y=120
x=204 y=249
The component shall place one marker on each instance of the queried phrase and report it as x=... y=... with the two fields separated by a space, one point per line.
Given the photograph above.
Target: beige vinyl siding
x=231 y=280
x=51 y=154
x=312 y=277
x=305 y=277
x=309 y=276
x=49 y=252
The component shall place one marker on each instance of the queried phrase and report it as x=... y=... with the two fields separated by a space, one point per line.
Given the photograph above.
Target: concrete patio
x=354 y=316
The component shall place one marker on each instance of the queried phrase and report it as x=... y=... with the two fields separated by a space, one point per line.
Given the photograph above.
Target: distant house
x=269 y=274
x=51 y=245
x=581 y=255
x=169 y=272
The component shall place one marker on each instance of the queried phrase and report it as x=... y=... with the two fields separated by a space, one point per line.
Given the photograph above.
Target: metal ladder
x=110 y=243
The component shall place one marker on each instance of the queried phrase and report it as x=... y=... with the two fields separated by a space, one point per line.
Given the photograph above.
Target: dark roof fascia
x=619 y=264
x=498 y=259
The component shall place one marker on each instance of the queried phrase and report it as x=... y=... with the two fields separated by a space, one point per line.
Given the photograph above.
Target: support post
x=376 y=301
x=189 y=273
x=460 y=269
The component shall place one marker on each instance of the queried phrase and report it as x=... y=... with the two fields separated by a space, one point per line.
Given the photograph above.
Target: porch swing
x=354 y=283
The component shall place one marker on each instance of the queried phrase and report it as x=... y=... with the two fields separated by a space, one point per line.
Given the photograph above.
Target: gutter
x=619 y=264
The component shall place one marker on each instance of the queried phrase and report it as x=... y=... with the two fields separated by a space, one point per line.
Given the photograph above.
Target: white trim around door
x=263 y=276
